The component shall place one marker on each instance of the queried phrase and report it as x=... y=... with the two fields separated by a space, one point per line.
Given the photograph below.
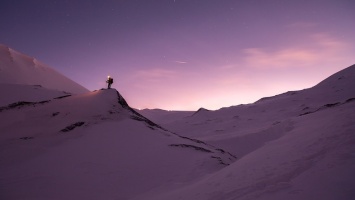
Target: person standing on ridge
x=109 y=82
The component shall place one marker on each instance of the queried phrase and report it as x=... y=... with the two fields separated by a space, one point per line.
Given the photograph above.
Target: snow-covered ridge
x=12 y=93
x=296 y=145
x=85 y=144
x=17 y=68
x=93 y=145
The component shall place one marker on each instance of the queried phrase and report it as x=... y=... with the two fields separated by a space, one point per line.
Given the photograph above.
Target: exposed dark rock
x=55 y=114
x=200 y=110
x=306 y=108
x=277 y=122
x=329 y=105
x=72 y=126
x=135 y=115
x=61 y=97
x=306 y=113
x=143 y=119
x=219 y=160
x=191 y=146
x=349 y=100
x=26 y=138
x=22 y=104
x=19 y=104
x=221 y=150
x=194 y=140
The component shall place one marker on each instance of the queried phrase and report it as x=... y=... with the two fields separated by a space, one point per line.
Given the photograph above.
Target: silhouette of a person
x=109 y=82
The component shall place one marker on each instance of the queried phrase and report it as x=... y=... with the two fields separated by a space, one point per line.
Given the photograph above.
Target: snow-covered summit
x=345 y=77
x=17 y=68
x=95 y=146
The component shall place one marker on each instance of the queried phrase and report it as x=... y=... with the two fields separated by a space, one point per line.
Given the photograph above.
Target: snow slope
x=17 y=68
x=94 y=146
x=12 y=93
x=297 y=145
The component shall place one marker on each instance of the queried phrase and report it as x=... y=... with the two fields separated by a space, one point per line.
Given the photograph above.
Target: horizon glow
x=183 y=55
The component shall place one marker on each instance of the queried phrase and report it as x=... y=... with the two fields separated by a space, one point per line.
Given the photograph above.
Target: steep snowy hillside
x=12 y=93
x=17 y=68
x=94 y=146
x=297 y=145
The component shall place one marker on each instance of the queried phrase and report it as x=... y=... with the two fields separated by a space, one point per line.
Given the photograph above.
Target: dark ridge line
x=61 y=97
x=26 y=138
x=22 y=104
x=329 y=105
x=288 y=93
x=200 y=110
x=220 y=160
x=191 y=146
x=194 y=140
x=72 y=126
x=139 y=117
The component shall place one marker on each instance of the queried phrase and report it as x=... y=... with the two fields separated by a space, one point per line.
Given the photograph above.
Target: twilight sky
x=186 y=54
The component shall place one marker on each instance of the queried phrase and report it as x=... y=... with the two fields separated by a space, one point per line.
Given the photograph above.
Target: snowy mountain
x=296 y=145
x=63 y=142
x=94 y=146
x=17 y=68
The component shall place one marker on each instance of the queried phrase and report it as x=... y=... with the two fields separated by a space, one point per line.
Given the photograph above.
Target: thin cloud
x=301 y=25
x=321 y=47
x=180 y=62
x=154 y=75
x=259 y=58
x=329 y=43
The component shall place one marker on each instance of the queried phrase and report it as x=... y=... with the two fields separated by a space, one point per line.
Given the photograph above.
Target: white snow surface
x=94 y=146
x=12 y=93
x=17 y=68
x=296 y=145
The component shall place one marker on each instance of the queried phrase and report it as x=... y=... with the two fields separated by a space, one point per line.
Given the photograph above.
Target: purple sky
x=186 y=54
